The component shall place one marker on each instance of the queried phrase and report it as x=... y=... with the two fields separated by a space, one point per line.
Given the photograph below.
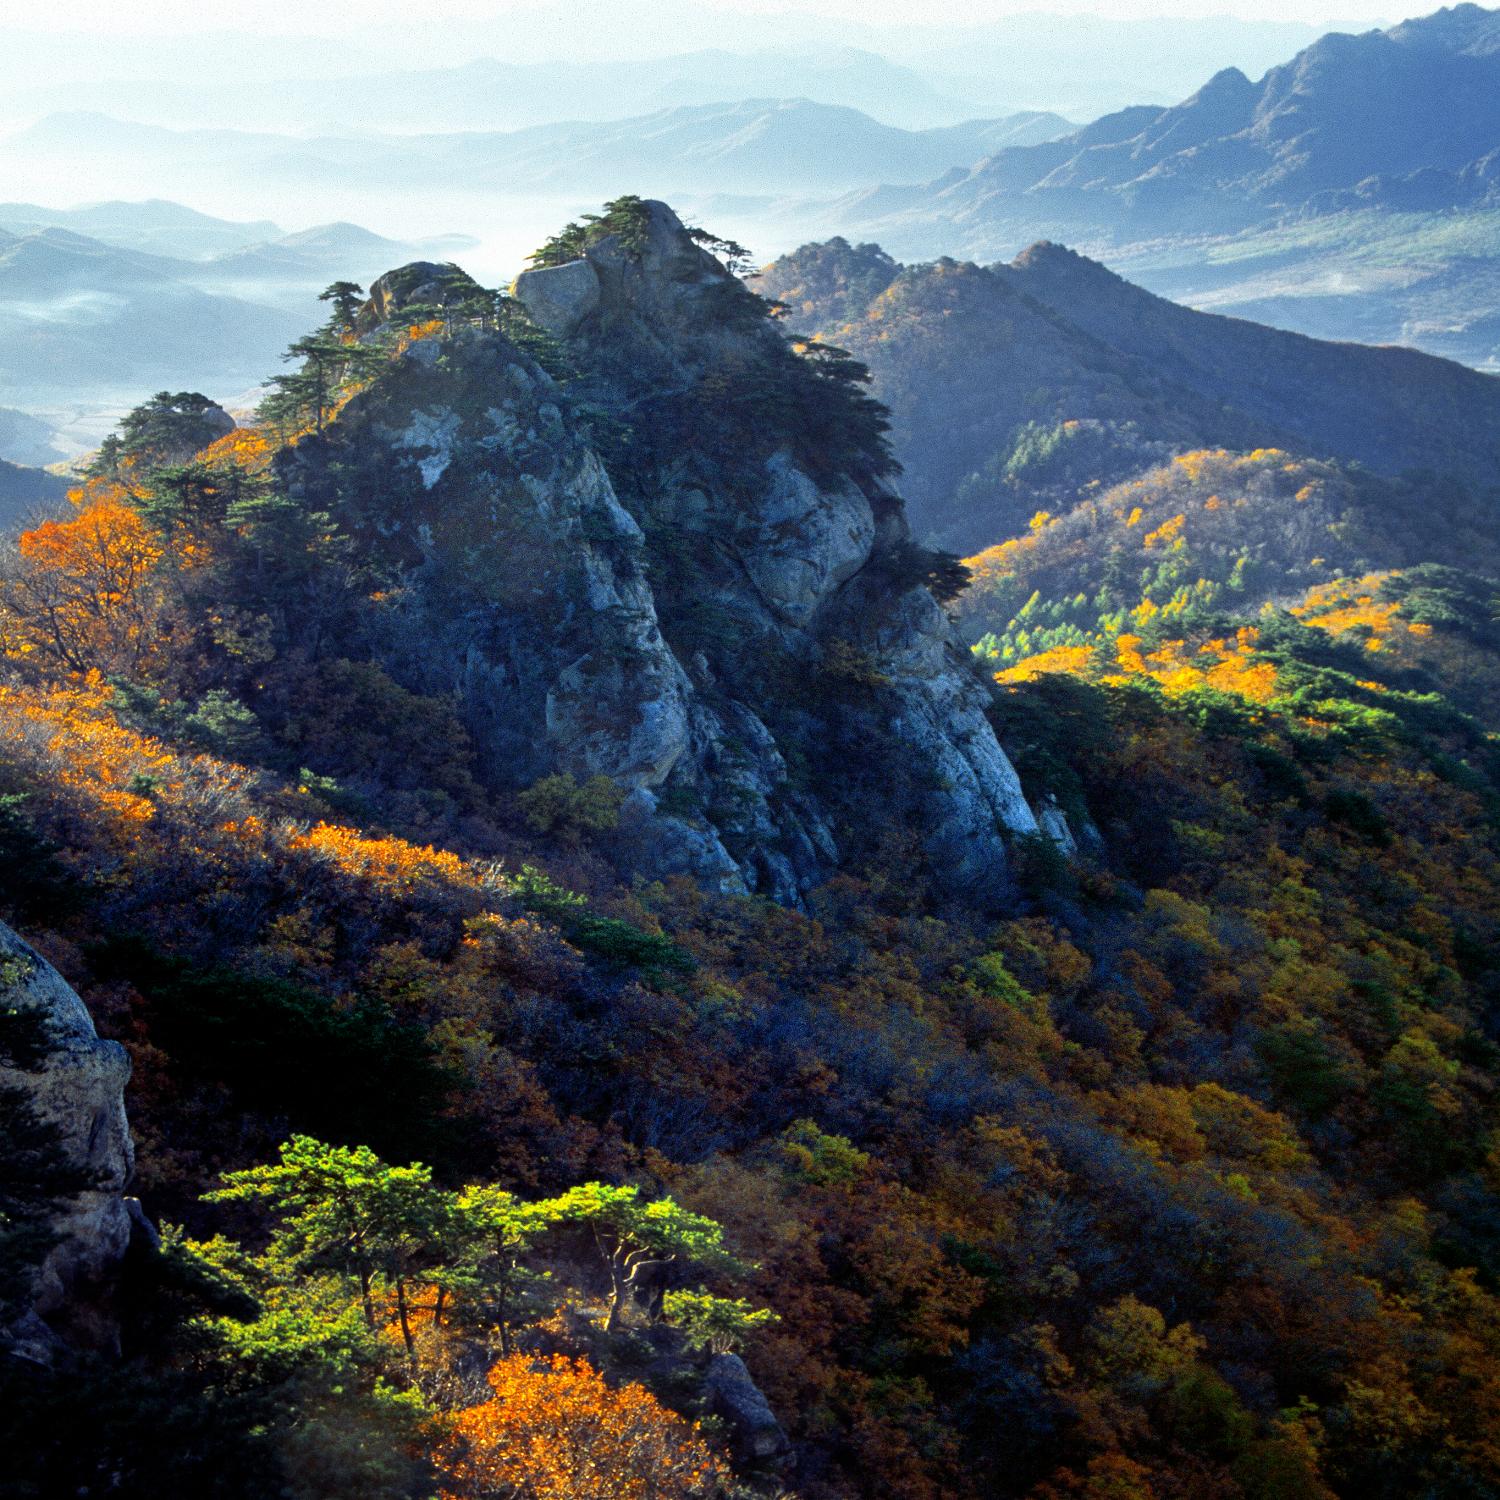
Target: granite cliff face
x=75 y=1086
x=682 y=567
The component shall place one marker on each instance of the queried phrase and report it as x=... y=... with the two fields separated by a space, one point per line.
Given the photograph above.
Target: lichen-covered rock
x=670 y=845
x=217 y=420
x=935 y=718
x=1053 y=822
x=422 y=283
x=78 y=1087
x=802 y=542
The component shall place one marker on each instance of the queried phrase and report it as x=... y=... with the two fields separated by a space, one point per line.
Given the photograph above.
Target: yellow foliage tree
x=556 y=1430
x=79 y=593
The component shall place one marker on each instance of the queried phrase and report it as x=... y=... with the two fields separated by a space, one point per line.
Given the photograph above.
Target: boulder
x=421 y=283
x=77 y=1086
x=755 y=1433
x=559 y=298
x=215 y=417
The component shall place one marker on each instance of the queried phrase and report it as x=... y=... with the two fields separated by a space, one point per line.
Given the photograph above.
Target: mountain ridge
x=747 y=144
x=977 y=363
x=1349 y=193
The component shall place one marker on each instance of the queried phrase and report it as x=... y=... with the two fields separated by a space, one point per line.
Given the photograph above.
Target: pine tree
x=346 y=298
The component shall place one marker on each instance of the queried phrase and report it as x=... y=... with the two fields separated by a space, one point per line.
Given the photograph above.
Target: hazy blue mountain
x=311 y=258
x=755 y=145
x=27 y=496
x=750 y=146
x=180 y=241
x=72 y=130
x=488 y=93
x=1421 y=97
x=39 y=263
x=491 y=94
x=912 y=71
x=157 y=225
x=25 y=439
x=78 y=318
x=1086 y=65
x=87 y=326
x=1377 y=276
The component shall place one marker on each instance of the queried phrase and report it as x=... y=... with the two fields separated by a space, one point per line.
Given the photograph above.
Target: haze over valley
x=1250 y=169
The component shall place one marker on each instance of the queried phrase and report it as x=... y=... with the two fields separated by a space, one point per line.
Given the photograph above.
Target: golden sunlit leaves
x=555 y=1430
x=1348 y=604
x=1071 y=659
x=389 y=862
x=79 y=593
x=247 y=448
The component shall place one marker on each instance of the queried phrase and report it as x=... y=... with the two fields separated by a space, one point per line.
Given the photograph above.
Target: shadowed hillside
x=1013 y=385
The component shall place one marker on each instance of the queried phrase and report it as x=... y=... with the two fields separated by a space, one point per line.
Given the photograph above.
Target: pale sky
x=348 y=17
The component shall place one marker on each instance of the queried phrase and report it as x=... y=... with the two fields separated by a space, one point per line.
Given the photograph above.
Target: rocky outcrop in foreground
x=664 y=571
x=73 y=1090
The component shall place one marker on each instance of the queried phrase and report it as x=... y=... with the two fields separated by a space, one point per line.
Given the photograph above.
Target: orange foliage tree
x=556 y=1431
x=79 y=593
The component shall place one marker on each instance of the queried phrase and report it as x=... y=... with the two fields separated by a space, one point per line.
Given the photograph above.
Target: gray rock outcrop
x=423 y=283
x=677 y=608
x=755 y=1433
x=77 y=1086
x=1053 y=822
x=559 y=298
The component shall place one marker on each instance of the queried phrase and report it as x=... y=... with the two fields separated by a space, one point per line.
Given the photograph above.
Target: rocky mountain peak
x=1050 y=266
x=1227 y=83
x=1223 y=106
x=419 y=284
x=682 y=567
x=1046 y=254
x=645 y=266
x=835 y=278
x=1454 y=28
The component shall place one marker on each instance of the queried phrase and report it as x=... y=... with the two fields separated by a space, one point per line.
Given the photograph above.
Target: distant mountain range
x=85 y=321
x=913 y=73
x=25 y=439
x=156 y=225
x=1308 y=197
x=773 y=145
x=1350 y=121
x=79 y=318
x=316 y=256
x=1015 y=386
x=489 y=94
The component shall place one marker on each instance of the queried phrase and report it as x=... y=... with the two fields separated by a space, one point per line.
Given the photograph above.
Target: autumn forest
x=643 y=974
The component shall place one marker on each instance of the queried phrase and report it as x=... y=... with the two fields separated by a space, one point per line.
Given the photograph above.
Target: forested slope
x=1160 y=1163
x=1016 y=385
